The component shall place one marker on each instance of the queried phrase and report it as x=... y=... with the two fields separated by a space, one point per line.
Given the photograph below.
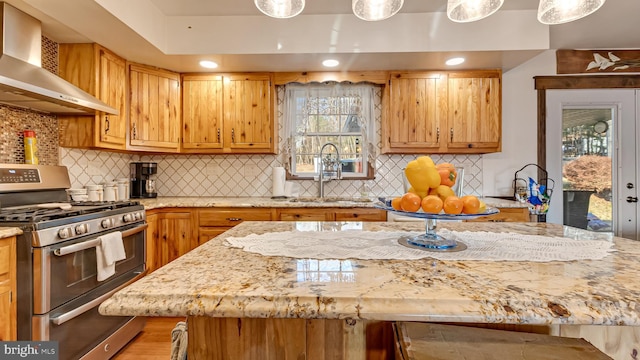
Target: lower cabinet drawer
x=507 y=215
x=232 y=217
x=207 y=233
x=361 y=215
x=300 y=214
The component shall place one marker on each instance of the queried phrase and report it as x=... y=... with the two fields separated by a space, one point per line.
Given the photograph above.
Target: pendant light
x=471 y=10
x=374 y=10
x=280 y=9
x=553 y=12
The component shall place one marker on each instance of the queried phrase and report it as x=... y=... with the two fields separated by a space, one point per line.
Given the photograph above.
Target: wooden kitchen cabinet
x=443 y=112
x=8 y=310
x=102 y=74
x=417 y=112
x=228 y=113
x=152 y=260
x=202 y=117
x=154 y=109
x=170 y=235
x=506 y=215
x=214 y=221
x=474 y=115
x=248 y=113
x=331 y=214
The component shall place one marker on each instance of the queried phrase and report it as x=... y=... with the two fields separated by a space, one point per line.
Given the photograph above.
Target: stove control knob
x=82 y=229
x=106 y=223
x=64 y=233
x=137 y=216
x=127 y=218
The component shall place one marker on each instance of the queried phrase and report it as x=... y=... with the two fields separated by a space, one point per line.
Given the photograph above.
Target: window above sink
x=338 y=113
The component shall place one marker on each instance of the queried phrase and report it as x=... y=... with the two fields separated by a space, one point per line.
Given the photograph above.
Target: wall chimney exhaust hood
x=23 y=81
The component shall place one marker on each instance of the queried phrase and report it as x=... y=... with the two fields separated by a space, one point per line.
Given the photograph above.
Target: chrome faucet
x=329 y=166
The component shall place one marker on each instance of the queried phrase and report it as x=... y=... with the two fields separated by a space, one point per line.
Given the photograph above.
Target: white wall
x=519 y=126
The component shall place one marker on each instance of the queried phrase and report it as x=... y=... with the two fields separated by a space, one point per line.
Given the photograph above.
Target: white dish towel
x=110 y=250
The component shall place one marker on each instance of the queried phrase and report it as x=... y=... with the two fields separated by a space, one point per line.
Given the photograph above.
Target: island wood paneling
x=284 y=339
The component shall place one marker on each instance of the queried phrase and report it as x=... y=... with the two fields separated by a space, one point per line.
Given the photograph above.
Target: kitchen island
x=238 y=302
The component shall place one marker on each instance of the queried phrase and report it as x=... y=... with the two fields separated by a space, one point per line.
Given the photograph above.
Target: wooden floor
x=154 y=342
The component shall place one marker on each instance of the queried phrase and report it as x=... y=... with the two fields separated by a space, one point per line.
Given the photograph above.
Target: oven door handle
x=93 y=243
x=61 y=319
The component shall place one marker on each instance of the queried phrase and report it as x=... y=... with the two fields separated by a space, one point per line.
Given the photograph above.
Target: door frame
x=544 y=83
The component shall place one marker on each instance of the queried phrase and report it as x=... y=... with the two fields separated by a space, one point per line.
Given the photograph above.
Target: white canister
x=110 y=191
x=123 y=188
x=95 y=192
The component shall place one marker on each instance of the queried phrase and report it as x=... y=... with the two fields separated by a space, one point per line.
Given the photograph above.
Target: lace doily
x=355 y=244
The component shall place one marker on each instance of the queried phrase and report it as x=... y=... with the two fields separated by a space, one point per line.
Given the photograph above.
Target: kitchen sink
x=331 y=199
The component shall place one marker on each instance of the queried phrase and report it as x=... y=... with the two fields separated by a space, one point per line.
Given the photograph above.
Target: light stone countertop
x=6 y=232
x=219 y=281
x=329 y=201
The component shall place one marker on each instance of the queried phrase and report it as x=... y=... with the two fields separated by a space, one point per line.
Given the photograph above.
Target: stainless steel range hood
x=23 y=81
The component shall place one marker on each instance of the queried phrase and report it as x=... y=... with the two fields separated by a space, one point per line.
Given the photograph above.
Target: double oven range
x=58 y=292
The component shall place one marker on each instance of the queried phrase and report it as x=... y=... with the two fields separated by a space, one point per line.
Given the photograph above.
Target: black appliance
x=58 y=293
x=142 y=183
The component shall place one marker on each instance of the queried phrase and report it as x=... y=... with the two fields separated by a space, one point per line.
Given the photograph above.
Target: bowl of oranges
x=433 y=192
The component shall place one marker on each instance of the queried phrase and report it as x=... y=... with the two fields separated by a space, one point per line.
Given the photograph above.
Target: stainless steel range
x=58 y=289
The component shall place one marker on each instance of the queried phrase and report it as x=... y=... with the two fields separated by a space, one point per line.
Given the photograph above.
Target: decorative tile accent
x=49 y=55
x=13 y=122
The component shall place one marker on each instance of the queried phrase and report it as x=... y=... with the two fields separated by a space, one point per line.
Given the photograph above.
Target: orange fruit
x=432 y=204
x=410 y=202
x=470 y=204
x=452 y=205
x=395 y=203
x=443 y=191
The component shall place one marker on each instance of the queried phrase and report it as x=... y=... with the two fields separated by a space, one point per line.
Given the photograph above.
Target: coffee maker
x=142 y=185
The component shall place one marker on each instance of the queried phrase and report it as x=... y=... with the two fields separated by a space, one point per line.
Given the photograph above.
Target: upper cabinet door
x=248 y=113
x=475 y=112
x=417 y=106
x=102 y=74
x=154 y=110
x=112 y=81
x=202 y=118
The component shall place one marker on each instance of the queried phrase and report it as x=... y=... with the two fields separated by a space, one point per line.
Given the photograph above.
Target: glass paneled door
x=592 y=147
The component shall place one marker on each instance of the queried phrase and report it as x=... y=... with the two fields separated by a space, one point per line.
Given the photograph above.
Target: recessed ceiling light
x=455 y=61
x=330 y=63
x=208 y=64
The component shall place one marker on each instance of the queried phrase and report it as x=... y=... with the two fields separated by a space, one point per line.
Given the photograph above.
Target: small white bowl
x=79 y=197
x=77 y=191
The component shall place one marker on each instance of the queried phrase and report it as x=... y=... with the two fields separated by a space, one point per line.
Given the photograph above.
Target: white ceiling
x=176 y=34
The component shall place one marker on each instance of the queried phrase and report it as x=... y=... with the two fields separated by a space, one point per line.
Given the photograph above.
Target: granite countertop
x=329 y=201
x=6 y=232
x=219 y=281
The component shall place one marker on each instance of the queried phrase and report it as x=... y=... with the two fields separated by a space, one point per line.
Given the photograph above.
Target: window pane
x=304 y=163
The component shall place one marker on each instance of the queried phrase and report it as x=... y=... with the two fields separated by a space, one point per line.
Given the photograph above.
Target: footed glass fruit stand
x=430 y=240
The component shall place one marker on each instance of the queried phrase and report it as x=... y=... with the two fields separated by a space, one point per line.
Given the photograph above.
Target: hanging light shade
x=374 y=10
x=554 y=12
x=471 y=10
x=280 y=9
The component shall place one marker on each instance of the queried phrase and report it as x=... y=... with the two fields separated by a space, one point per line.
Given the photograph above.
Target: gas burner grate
x=34 y=214
x=106 y=204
